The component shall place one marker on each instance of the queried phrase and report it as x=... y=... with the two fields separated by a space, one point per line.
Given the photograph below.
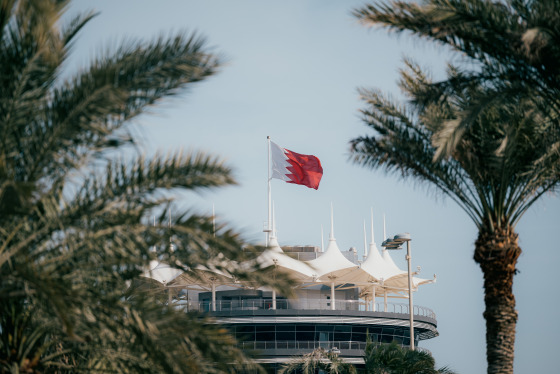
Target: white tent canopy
x=332 y=267
x=375 y=272
x=332 y=264
x=274 y=255
x=161 y=272
x=377 y=275
x=375 y=269
x=204 y=276
x=200 y=277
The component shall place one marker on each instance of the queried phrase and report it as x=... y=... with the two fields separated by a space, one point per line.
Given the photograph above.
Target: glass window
x=343 y=328
x=245 y=336
x=358 y=337
x=245 y=329
x=305 y=327
x=386 y=338
x=388 y=331
x=264 y=336
x=361 y=329
x=342 y=336
x=286 y=335
x=260 y=328
x=305 y=335
x=283 y=327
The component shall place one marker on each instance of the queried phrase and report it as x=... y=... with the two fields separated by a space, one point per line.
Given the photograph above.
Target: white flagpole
x=269 y=228
x=273 y=233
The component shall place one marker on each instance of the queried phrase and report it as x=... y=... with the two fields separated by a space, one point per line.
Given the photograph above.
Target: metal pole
x=332 y=296
x=410 y=304
x=269 y=228
x=385 y=301
x=274 y=299
x=213 y=296
x=373 y=298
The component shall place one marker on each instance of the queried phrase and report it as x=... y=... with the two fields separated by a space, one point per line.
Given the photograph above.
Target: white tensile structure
x=334 y=306
x=376 y=276
x=332 y=267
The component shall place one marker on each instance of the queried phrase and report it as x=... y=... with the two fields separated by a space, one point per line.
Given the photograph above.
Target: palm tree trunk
x=497 y=252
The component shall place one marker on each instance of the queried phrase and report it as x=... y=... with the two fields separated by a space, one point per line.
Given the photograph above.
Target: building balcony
x=249 y=305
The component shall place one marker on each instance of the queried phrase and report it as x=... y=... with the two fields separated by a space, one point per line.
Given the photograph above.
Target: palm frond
x=74 y=232
x=496 y=165
x=513 y=45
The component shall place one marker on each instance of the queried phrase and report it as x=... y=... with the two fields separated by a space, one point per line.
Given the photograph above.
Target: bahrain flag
x=294 y=167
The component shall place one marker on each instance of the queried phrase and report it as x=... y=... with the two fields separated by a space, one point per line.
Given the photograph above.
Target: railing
x=304 y=304
x=310 y=345
x=301 y=345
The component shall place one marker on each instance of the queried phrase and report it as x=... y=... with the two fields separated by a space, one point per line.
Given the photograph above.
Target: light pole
x=396 y=243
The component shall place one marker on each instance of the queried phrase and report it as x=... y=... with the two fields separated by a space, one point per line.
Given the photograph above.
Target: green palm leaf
x=75 y=221
x=486 y=137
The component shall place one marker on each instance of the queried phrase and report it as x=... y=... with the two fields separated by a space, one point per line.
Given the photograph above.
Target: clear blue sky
x=293 y=69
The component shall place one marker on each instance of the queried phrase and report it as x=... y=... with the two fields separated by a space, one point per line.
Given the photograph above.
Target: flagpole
x=269 y=228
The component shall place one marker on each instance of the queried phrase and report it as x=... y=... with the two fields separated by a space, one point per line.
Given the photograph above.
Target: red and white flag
x=295 y=168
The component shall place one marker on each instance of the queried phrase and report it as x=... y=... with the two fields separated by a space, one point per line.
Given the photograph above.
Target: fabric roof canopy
x=400 y=281
x=332 y=265
x=274 y=255
x=378 y=273
x=203 y=276
x=161 y=272
x=200 y=276
x=374 y=269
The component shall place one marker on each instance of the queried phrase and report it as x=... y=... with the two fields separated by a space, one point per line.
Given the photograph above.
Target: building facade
x=277 y=329
x=339 y=301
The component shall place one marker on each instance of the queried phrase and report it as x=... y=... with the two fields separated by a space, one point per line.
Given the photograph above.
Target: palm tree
x=391 y=358
x=513 y=45
x=319 y=359
x=379 y=358
x=500 y=166
x=74 y=230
